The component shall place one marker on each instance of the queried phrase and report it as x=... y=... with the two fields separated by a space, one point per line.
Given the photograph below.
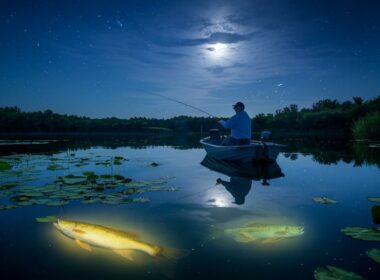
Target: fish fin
x=271 y=240
x=125 y=254
x=83 y=245
x=244 y=237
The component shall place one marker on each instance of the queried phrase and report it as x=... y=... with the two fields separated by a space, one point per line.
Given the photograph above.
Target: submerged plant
x=374 y=254
x=367 y=234
x=333 y=272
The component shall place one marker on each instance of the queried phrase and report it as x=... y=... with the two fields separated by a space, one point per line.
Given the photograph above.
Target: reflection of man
x=240 y=125
x=238 y=187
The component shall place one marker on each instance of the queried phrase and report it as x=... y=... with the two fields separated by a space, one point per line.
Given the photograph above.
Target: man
x=240 y=125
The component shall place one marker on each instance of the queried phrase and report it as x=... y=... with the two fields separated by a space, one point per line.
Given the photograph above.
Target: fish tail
x=168 y=253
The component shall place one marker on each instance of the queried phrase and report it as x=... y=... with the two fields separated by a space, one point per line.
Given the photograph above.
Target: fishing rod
x=183 y=103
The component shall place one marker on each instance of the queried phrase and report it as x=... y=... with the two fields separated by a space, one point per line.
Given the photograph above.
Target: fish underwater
x=266 y=233
x=121 y=242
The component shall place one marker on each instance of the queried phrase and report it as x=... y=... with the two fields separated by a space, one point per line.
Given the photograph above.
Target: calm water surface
x=189 y=206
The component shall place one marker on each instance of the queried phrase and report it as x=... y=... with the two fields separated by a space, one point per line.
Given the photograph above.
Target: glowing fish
x=121 y=242
x=266 y=233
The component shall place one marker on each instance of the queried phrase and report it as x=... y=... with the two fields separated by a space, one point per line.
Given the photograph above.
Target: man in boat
x=240 y=125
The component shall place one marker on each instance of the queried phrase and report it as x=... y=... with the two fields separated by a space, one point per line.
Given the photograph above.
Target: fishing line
x=183 y=103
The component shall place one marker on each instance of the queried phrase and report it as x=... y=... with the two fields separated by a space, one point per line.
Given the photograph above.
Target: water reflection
x=237 y=186
x=241 y=175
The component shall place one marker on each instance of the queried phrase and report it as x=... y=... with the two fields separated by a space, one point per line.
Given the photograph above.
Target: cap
x=239 y=104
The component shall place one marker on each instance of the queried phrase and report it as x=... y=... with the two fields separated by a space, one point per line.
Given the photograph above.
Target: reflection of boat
x=257 y=172
x=256 y=150
x=241 y=175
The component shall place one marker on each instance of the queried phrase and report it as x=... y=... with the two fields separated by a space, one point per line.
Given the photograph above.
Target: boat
x=254 y=151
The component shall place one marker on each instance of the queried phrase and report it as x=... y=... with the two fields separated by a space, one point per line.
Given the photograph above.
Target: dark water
x=188 y=206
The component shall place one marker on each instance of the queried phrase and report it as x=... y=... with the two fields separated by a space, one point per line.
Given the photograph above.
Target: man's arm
x=228 y=124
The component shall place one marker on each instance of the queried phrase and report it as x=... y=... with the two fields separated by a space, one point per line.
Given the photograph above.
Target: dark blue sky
x=103 y=58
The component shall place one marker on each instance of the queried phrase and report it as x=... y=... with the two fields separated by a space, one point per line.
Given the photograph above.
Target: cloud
x=219 y=69
x=216 y=37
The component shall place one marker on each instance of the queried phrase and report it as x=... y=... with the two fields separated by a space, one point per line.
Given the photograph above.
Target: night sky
x=105 y=58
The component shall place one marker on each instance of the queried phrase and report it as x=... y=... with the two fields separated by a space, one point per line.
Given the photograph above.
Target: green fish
x=266 y=233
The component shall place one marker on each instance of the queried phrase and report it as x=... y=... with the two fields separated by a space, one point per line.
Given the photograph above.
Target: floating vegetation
x=367 y=234
x=333 y=272
x=324 y=200
x=374 y=199
x=8 y=186
x=374 y=254
x=7 y=207
x=4 y=165
x=86 y=187
x=160 y=181
x=53 y=167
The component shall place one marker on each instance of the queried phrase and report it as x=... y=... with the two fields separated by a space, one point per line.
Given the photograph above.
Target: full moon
x=218 y=50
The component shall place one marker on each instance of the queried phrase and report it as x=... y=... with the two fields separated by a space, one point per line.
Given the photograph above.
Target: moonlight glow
x=218 y=50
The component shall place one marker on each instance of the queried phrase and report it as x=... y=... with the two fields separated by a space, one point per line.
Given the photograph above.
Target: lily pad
x=324 y=200
x=74 y=180
x=367 y=234
x=90 y=201
x=41 y=201
x=53 y=167
x=5 y=193
x=32 y=194
x=374 y=199
x=19 y=198
x=8 y=186
x=47 y=219
x=25 y=203
x=333 y=272
x=7 y=207
x=374 y=254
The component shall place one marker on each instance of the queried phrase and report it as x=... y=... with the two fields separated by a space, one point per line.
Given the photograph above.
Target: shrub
x=368 y=127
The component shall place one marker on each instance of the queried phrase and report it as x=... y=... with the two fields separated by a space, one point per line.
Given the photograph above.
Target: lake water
x=174 y=201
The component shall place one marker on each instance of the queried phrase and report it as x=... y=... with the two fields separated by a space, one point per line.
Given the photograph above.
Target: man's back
x=240 y=125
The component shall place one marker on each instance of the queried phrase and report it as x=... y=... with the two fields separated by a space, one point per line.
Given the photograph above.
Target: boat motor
x=265 y=135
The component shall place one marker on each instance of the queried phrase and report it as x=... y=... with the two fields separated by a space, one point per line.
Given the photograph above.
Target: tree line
x=357 y=117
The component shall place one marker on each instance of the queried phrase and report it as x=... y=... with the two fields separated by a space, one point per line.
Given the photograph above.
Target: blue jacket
x=240 y=125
